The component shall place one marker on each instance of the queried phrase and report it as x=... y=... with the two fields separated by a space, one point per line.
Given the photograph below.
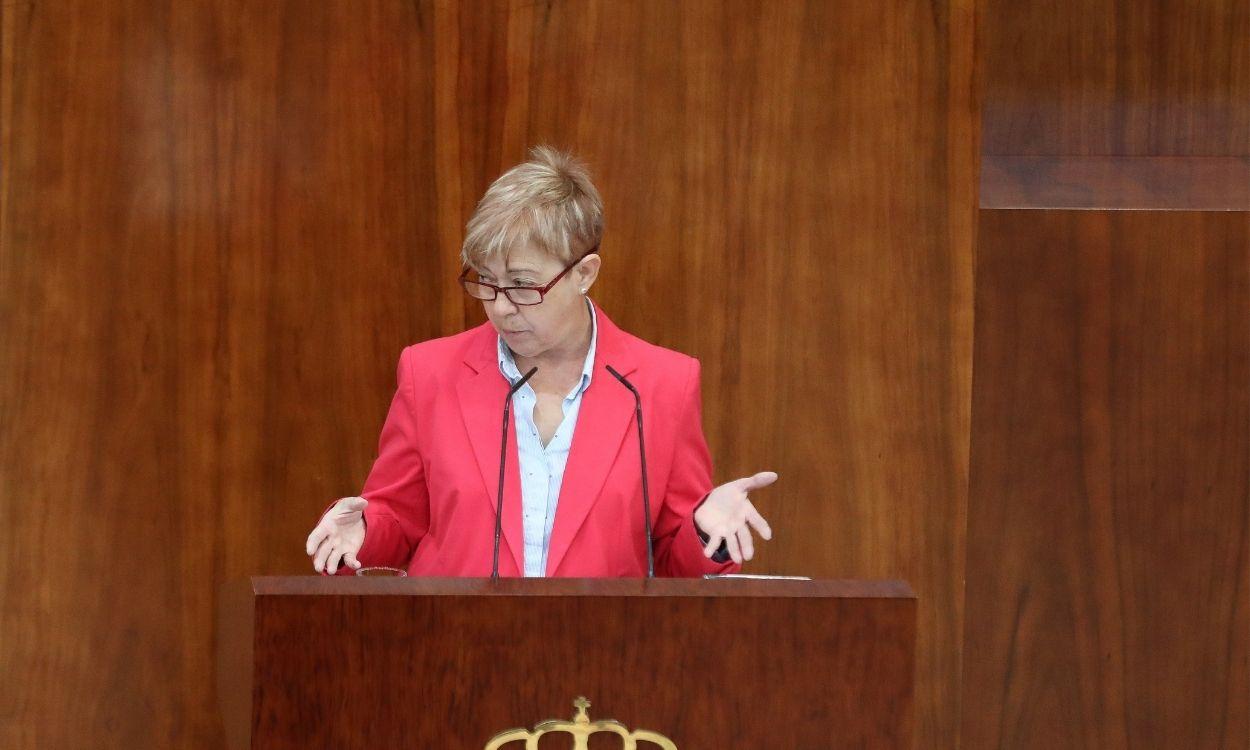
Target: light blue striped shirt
x=542 y=467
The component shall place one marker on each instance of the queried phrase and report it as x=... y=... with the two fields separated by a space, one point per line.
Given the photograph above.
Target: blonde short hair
x=548 y=200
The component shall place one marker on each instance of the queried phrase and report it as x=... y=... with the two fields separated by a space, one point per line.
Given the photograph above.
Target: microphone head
x=621 y=379
x=524 y=379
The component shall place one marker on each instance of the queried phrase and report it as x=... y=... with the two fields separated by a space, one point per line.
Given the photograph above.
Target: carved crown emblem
x=581 y=727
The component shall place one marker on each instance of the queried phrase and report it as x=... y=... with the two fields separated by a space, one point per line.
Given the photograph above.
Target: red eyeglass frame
x=542 y=290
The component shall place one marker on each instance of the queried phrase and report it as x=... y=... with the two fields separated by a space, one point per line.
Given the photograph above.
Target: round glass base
x=382 y=571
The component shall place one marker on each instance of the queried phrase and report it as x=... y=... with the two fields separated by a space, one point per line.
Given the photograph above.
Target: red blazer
x=431 y=491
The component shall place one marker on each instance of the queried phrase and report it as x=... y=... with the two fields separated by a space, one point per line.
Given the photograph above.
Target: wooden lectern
x=719 y=664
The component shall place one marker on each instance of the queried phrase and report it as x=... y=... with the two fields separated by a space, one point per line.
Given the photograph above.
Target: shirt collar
x=507 y=364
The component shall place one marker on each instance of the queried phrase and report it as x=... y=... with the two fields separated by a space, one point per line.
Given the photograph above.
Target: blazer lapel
x=482 y=395
x=605 y=419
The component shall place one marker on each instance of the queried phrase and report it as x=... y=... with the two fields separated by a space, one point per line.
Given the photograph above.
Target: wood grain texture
x=1185 y=183
x=1116 y=77
x=1109 y=507
x=220 y=222
x=216 y=239
x=480 y=657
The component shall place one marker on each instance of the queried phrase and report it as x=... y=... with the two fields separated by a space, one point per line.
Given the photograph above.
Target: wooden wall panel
x=1109 y=505
x=217 y=236
x=1116 y=77
x=1187 y=183
x=221 y=221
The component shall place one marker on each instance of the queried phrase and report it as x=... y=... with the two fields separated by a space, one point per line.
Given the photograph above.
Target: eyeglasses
x=517 y=295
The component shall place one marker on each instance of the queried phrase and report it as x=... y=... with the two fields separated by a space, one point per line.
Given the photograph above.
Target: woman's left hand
x=727 y=514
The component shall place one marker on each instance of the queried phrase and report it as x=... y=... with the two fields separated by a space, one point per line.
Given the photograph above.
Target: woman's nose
x=502 y=305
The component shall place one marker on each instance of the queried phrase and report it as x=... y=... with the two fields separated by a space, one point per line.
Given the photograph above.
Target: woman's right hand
x=338 y=536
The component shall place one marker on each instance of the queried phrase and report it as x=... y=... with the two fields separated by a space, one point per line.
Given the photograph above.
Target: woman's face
x=555 y=323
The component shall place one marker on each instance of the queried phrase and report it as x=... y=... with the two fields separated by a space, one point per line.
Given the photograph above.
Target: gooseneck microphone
x=503 y=458
x=642 y=454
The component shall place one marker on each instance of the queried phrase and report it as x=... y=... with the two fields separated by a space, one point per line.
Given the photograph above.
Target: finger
x=332 y=562
x=755 y=519
x=319 y=557
x=349 y=559
x=713 y=544
x=745 y=542
x=758 y=481
x=735 y=551
x=323 y=551
x=315 y=539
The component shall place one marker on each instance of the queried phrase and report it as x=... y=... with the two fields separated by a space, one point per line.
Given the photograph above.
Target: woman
x=572 y=494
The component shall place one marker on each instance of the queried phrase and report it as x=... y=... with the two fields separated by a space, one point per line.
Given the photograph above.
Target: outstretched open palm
x=728 y=515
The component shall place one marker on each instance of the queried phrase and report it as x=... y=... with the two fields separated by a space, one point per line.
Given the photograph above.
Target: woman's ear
x=587 y=271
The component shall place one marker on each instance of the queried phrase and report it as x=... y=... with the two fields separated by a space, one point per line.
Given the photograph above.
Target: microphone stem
x=646 y=493
x=642 y=456
x=503 y=460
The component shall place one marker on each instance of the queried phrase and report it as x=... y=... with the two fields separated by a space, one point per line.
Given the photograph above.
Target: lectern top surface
x=558 y=587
